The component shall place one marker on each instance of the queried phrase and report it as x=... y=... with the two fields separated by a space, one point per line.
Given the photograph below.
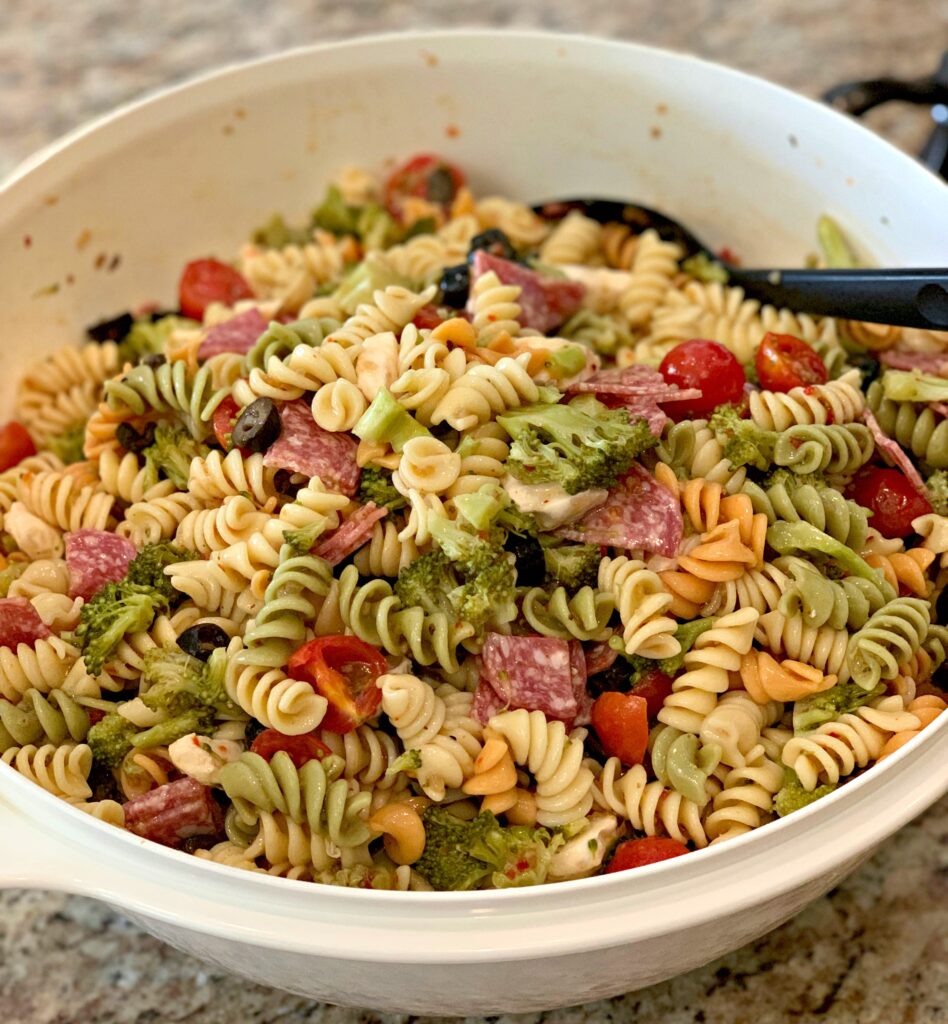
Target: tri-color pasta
x=408 y=558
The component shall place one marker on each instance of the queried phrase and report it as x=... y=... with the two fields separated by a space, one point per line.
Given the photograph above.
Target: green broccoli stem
x=387 y=422
x=836 y=250
x=905 y=386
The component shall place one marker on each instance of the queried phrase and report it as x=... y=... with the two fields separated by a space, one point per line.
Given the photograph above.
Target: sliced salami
x=638 y=389
x=174 y=812
x=303 y=447
x=532 y=672
x=639 y=513
x=599 y=657
x=941 y=408
x=926 y=362
x=94 y=558
x=545 y=302
x=20 y=623
x=486 y=702
x=351 y=535
x=239 y=334
x=894 y=454
x=577 y=671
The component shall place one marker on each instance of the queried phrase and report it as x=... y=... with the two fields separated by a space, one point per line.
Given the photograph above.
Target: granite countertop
x=875 y=950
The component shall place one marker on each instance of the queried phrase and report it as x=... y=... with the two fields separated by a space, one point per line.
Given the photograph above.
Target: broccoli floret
x=580 y=445
x=572 y=565
x=471 y=552
x=841 y=699
x=377 y=229
x=111 y=739
x=68 y=444
x=171 y=453
x=426 y=582
x=461 y=855
x=147 y=337
x=488 y=595
x=376 y=485
x=147 y=568
x=303 y=539
x=792 y=796
x=387 y=422
x=176 y=683
x=276 y=234
x=410 y=761
x=745 y=444
x=937 y=485
x=333 y=214
x=469 y=577
x=791 y=481
x=117 y=609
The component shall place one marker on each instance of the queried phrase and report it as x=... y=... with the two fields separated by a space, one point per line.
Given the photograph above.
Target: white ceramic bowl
x=104 y=220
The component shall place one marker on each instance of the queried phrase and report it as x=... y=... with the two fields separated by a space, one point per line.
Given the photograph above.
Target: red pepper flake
x=27 y=241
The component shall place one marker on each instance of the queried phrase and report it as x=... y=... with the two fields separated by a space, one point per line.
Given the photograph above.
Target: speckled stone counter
x=875 y=950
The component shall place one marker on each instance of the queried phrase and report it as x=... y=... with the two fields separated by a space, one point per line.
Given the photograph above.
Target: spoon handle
x=909 y=297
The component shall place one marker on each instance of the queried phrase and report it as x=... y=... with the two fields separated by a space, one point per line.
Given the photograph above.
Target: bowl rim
x=607 y=886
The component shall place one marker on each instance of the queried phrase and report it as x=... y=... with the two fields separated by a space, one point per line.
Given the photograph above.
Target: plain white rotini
x=822 y=647
x=563 y=782
x=483 y=392
x=58 y=500
x=147 y=522
x=838 y=748
x=62 y=771
x=338 y=405
x=716 y=653
x=391 y=309
x=649 y=806
x=574 y=240
x=653 y=267
x=427 y=465
x=43 y=667
x=495 y=307
x=305 y=369
x=385 y=554
x=641 y=601
x=837 y=401
x=217 y=476
x=207 y=530
x=122 y=477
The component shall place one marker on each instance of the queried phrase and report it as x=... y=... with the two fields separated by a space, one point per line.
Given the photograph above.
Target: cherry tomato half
x=424 y=176
x=891 y=498
x=300 y=748
x=15 y=445
x=621 y=723
x=653 y=687
x=223 y=420
x=427 y=318
x=206 y=281
x=344 y=670
x=707 y=365
x=636 y=853
x=784 y=362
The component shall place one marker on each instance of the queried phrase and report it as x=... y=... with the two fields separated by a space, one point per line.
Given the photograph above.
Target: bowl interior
x=106 y=222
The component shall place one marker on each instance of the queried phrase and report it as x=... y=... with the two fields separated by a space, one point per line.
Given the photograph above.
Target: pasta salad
x=441 y=543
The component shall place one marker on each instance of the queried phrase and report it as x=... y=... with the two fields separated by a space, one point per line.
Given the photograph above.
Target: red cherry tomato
x=707 y=365
x=300 y=748
x=15 y=445
x=636 y=853
x=424 y=176
x=621 y=723
x=206 y=281
x=784 y=362
x=344 y=670
x=223 y=420
x=891 y=498
x=653 y=687
x=427 y=318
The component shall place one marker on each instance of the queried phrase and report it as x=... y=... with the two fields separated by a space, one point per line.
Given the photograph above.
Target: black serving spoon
x=910 y=297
